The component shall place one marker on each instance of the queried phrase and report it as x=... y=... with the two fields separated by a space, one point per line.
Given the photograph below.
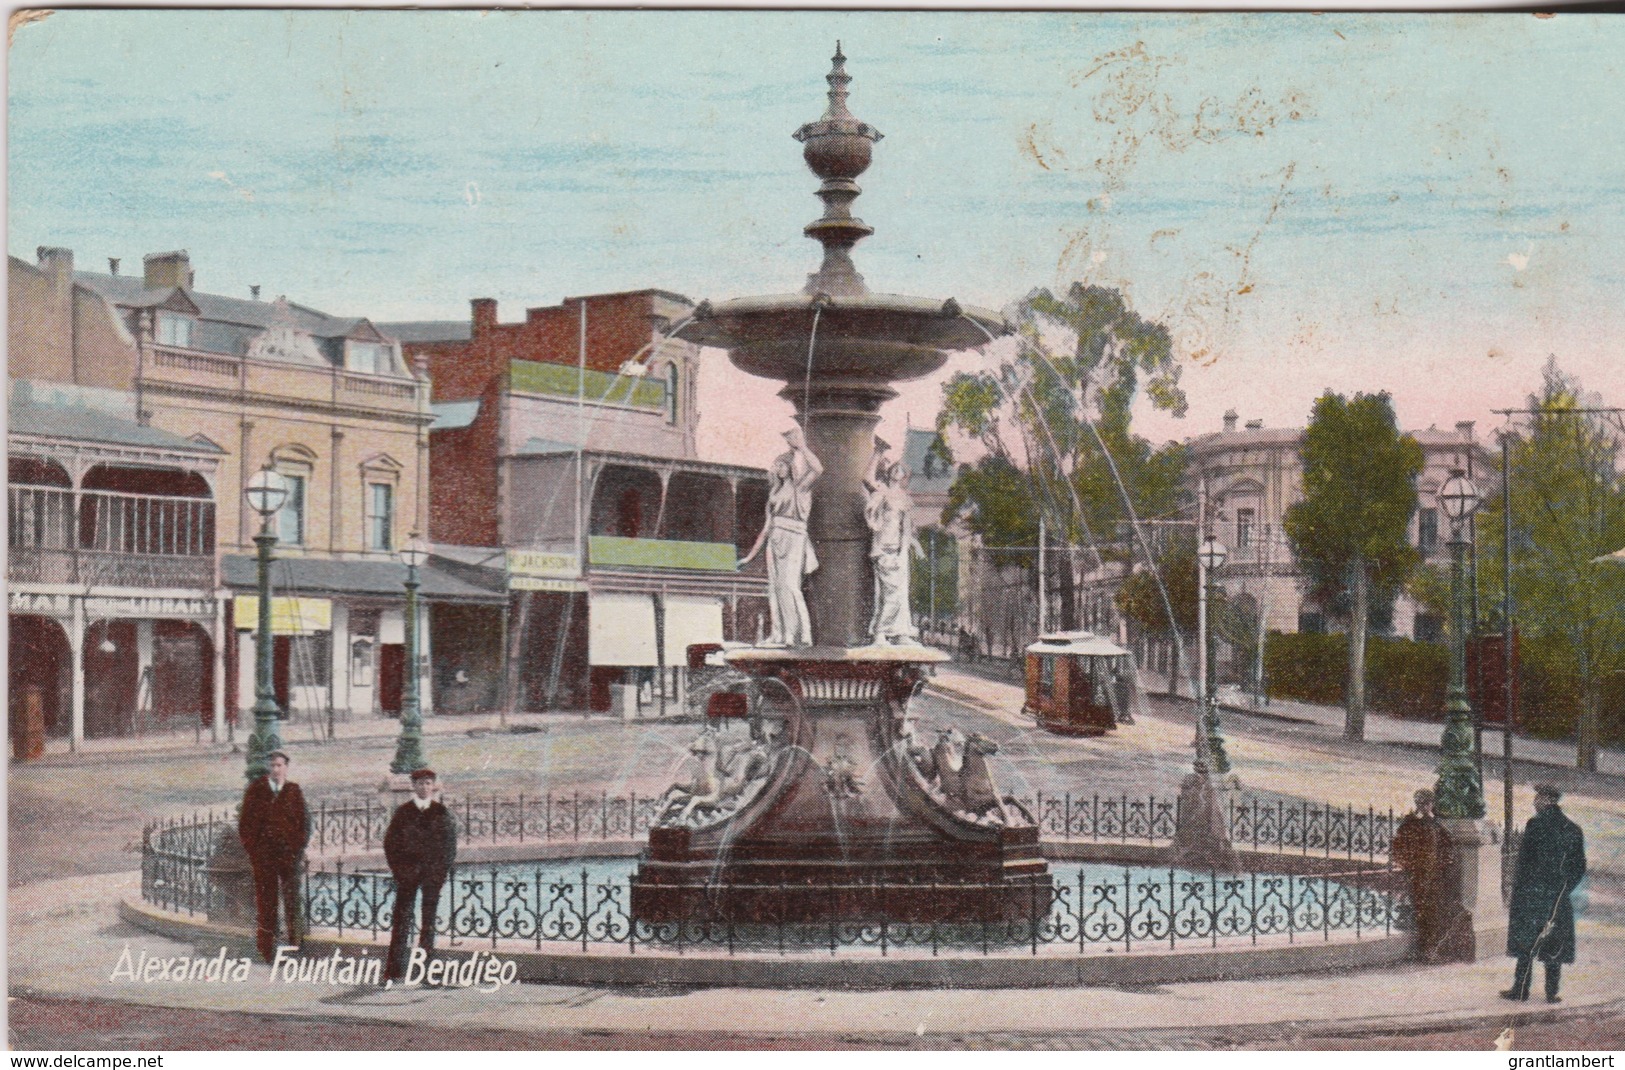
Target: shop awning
x=321 y=577
x=621 y=628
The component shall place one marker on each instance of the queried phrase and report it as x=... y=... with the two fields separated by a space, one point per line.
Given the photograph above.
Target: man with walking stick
x=1540 y=923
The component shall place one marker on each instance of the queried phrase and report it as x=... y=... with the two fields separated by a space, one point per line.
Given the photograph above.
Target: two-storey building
x=1255 y=473
x=565 y=446
x=115 y=625
x=329 y=403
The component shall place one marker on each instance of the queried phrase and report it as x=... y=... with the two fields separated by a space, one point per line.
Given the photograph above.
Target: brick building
x=565 y=446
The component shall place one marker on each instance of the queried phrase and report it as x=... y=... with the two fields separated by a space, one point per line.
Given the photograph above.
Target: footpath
x=67 y=941
x=66 y=937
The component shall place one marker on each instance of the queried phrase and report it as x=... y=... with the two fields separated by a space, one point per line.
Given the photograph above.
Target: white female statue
x=790 y=556
x=891 y=538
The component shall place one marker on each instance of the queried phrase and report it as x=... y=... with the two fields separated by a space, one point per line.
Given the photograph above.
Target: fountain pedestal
x=848 y=823
x=846 y=827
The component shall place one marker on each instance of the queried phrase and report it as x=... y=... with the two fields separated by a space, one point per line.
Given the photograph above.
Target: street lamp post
x=409 y=749
x=265 y=493
x=1212 y=556
x=1460 y=791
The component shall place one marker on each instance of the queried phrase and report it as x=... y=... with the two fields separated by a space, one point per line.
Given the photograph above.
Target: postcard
x=816 y=530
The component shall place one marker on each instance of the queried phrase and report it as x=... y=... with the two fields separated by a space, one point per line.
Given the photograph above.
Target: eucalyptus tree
x=1050 y=427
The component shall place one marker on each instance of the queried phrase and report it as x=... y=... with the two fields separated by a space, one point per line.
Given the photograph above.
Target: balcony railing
x=328 y=383
x=102 y=568
x=61 y=536
x=196 y=362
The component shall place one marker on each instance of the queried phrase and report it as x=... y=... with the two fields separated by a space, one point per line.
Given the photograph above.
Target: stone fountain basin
x=885 y=337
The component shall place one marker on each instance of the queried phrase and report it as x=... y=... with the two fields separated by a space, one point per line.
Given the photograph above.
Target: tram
x=1079 y=683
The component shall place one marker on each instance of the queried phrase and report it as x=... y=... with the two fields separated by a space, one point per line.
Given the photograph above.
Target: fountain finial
x=838 y=149
x=838 y=80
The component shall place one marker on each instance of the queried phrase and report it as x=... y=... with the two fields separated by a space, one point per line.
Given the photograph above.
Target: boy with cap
x=1540 y=922
x=274 y=827
x=420 y=847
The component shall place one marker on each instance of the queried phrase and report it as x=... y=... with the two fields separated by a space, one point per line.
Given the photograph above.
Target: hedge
x=1409 y=679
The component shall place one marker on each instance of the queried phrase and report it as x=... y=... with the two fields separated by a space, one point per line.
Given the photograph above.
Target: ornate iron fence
x=1299 y=828
x=175 y=858
x=175 y=854
x=563 y=908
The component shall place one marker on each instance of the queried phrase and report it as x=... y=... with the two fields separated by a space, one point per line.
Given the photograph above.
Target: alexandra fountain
x=824 y=800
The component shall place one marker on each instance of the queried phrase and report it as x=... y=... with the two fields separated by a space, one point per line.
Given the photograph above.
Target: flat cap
x=1547 y=791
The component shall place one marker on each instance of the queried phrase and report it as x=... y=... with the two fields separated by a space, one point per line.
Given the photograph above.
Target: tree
x=1051 y=422
x=1349 y=533
x=1568 y=509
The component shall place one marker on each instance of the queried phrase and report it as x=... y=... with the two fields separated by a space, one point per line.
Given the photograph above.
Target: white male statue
x=790 y=556
x=891 y=538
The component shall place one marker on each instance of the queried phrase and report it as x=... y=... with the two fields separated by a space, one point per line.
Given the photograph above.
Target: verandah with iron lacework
x=582 y=902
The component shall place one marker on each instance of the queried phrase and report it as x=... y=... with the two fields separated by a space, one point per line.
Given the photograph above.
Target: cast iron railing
x=175 y=853
x=561 y=907
x=1255 y=824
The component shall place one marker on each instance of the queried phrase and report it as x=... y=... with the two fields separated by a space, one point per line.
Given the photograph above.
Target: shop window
x=363 y=646
x=309 y=659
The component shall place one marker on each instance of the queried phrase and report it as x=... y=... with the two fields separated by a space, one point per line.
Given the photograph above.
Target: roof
x=1250 y=438
x=384 y=578
x=1075 y=643
x=429 y=330
x=454 y=415
x=80 y=423
x=542 y=447
x=131 y=291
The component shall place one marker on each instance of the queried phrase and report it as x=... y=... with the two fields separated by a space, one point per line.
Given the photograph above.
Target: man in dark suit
x=1540 y=919
x=420 y=847
x=274 y=827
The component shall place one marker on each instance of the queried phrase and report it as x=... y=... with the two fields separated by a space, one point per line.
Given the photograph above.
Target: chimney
x=1230 y=420
x=1255 y=425
x=484 y=311
x=165 y=271
x=1465 y=429
x=254 y=292
x=56 y=262
x=112 y=266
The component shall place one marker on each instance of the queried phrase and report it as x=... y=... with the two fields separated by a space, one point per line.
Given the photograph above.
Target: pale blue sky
x=1424 y=204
